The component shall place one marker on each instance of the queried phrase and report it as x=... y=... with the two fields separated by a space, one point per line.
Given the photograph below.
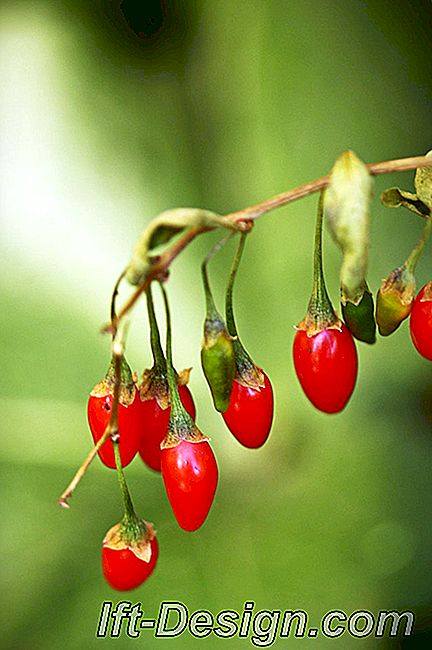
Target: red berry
x=421 y=322
x=250 y=413
x=190 y=474
x=99 y=413
x=124 y=570
x=154 y=426
x=326 y=365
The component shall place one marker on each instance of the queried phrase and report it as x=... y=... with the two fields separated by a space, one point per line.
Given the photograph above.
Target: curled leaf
x=163 y=228
x=346 y=208
x=396 y=198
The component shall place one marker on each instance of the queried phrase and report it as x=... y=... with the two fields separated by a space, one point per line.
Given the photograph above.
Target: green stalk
x=212 y=312
x=412 y=259
x=320 y=308
x=159 y=361
x=178 y=411
x=229 y=311
x=129 y=510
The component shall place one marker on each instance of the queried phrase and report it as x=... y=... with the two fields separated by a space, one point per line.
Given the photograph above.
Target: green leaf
x=396 y=198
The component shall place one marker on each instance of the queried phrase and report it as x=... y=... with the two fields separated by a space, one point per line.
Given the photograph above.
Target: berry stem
x=129 y=510
x=178 y=411
x=115 y=294
x=320 y=308
x=243 y=361
x=159 y=360
x=229 y=311
x=413 y=258
x=212 y=312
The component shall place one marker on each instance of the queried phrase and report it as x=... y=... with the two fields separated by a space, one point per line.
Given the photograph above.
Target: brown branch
x=255 y=211
x=162 y=263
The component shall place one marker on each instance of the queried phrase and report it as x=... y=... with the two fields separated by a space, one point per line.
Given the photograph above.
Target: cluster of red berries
x=156 y=419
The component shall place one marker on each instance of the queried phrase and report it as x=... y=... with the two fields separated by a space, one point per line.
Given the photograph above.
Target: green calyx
x=218 y=362
x=394 y=299
x=126 y=378
x=359 y=318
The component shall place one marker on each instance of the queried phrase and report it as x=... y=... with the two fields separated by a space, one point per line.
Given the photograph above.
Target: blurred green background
x=216 y=104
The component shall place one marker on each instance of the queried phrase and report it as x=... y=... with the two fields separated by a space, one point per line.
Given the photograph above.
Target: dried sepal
x=155 y=386
x=106 y=387
x=250 y=376
x=313 y=323
x=427 y=293
x=118 y=538
x=179 y=431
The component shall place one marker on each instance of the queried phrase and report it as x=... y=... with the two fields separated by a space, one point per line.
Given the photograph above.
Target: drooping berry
x=155 y=414
x=250 y=412
x=190 y=475
x=421 y=322
x=99 y=409
x=326 y=366
x=127 y=563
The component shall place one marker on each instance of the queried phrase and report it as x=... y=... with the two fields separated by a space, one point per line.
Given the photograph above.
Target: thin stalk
x=155 y=342
x=415 y=254
x=320 y=305
x=212 y=312
x=177 y=408
x=229 y=311
x=114 y=295
x=129 y=510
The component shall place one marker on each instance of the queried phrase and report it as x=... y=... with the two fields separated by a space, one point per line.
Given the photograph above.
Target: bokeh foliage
x=217 y=105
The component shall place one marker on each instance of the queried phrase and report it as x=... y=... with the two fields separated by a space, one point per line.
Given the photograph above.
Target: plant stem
x=177 y=408
x=114 y=295
x=129 y=511
x=229 y=311
x=415 y=254
x=155 y=342
x=212 y=312
x=320 y=307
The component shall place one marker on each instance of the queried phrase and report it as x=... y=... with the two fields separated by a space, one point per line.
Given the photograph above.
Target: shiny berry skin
x=190 y=474
x=154 y=426
x=123 y=570
x=99 y=413
x=421 y=322
x=326 y=366
x=250 y=413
